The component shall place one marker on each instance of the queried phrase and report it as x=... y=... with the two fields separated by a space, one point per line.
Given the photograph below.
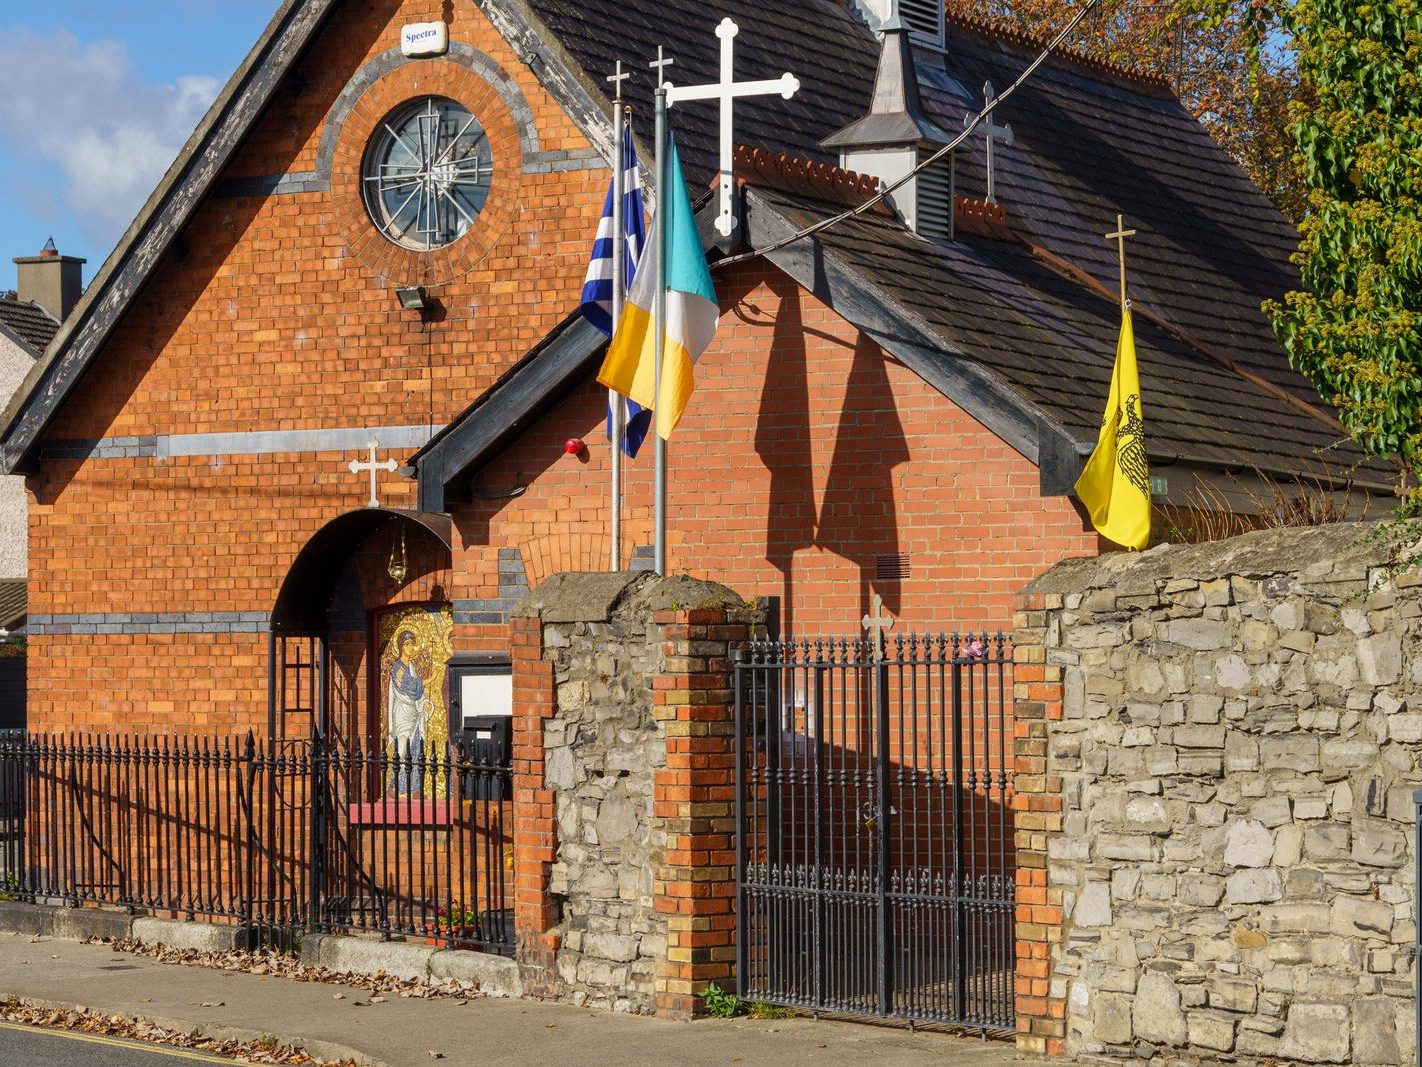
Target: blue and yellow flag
x=692 y=314
x=1115 y=484
x=597 y=288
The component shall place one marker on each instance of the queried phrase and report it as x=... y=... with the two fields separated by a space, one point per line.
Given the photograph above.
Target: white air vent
x=935 y=200
x=924 y=18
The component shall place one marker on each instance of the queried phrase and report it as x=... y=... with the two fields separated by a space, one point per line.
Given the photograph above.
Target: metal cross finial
x=878 y=624
x=1120 y=238
x=617 y=80
x=660 y=64
x=389 y=465
x=726 y=91
x=992 y=132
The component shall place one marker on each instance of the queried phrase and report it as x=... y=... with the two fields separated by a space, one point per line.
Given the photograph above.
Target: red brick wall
x=278 y=313
x=804 y=455
x=1037 y=805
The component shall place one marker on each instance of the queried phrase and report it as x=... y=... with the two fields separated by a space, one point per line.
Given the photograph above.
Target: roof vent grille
x=935 y=200
x=924 y=18
x=892 y=568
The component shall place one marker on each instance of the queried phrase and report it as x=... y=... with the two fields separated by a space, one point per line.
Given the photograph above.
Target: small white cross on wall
x=878 y=624
x=726 y=91
x=389 y=465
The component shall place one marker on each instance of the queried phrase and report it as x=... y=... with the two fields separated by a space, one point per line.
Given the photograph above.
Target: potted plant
x=456 y=927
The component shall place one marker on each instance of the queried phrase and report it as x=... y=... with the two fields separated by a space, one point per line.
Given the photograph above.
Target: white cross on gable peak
x=726 y=90
x=992 y=132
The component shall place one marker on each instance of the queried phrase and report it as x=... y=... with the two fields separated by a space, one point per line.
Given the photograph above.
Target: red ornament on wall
x=574 y=446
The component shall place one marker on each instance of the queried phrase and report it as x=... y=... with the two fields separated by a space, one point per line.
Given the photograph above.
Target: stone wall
x=1233 y=757
x=640 y=702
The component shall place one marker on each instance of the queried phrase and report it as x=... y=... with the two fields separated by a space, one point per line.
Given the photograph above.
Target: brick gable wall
x=276 y=312
x=805 y=455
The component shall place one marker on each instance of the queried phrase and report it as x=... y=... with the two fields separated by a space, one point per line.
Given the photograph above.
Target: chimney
x=895 y=136
x=52 y=281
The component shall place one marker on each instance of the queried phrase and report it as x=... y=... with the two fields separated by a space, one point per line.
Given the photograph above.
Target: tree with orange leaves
x=1222 y=56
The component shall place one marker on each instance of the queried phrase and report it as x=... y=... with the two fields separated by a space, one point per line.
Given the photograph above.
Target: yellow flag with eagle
x=1115 y=484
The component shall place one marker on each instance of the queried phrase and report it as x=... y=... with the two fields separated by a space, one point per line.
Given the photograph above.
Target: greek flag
x=597 y=287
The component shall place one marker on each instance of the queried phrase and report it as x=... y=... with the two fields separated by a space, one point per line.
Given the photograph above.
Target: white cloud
x=83 y=113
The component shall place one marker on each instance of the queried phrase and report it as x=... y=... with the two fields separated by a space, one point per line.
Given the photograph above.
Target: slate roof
x=823 y=42
x=13 y=602
x=1051 y=341
x=29 y=322
x=1090 y=142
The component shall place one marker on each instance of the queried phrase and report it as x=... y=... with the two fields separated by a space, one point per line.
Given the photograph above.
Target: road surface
x=28 y=1046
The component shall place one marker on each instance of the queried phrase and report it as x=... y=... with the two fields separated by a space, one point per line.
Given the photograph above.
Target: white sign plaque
x=485 y=694
x=424 y=39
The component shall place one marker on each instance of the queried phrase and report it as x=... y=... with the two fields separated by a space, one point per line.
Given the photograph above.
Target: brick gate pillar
x=695 y=803
x=1037 y=803
x=534 y=831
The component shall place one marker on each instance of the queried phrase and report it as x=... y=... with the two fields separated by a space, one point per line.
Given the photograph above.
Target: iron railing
x=875 y=856
x=281 y=836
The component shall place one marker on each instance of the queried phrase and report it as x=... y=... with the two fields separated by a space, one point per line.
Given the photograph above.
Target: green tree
x=1354 y=330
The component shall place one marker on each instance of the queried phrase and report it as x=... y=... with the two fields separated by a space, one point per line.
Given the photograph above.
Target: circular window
x=426 y=173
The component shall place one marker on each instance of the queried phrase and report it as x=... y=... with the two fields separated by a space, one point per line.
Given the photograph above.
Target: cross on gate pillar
x=878 y=625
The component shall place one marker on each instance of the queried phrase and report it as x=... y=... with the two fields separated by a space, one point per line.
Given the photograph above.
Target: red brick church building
x=375 y=237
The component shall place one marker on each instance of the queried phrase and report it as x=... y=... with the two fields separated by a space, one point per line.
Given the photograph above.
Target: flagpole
x=659 y=316
x=619 y=284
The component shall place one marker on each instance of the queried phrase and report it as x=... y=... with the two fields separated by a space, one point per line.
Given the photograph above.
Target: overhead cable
x=888 y=190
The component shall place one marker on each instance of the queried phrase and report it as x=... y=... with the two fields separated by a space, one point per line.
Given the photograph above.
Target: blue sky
x=96 y=98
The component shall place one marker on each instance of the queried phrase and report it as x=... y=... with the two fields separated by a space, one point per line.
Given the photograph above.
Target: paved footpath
x=483 y=1031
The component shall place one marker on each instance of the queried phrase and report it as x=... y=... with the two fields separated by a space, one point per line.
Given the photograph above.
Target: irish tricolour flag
x=692 y=313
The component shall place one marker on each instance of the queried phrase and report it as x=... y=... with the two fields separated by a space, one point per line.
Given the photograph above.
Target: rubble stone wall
x=600 y=754
x=640 y=705
x=1236 y=753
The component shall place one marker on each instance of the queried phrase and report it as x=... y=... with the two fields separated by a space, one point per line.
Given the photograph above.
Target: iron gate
x=875 y=858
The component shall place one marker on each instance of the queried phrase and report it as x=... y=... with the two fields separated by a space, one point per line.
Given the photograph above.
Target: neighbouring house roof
x=29 y=323
x=13 y=600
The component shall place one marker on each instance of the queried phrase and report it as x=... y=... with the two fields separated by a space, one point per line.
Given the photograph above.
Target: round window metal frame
x=426 y=172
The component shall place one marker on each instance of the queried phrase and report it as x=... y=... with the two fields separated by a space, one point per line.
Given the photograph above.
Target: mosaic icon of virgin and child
x=414 y=720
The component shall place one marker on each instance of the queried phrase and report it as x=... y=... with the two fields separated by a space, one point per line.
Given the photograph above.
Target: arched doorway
x=364 y=582
x=368 y=818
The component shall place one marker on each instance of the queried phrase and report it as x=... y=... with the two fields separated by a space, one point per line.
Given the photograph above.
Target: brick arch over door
x=556 y=553
x=320 y=629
